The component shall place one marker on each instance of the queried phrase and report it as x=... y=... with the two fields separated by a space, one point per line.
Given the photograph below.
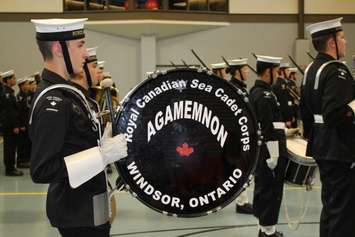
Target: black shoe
x=23 y=165
x=276 y=234
x=14 y=172
x=245 y=209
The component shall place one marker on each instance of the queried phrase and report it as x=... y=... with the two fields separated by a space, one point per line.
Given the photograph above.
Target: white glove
x=273 y=148
x=112 y=148
x=272 y=162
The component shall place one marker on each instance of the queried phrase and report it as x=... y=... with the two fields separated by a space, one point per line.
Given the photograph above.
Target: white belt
x=318 y=118
x=279 y=125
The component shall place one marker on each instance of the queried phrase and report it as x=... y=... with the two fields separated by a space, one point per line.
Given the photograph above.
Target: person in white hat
x=282 y=92
x=10 y=123
x=68 y=151
x=269 y=174
x=328 y=114
x=239 y=71
x=23 y=99
x=219 y=69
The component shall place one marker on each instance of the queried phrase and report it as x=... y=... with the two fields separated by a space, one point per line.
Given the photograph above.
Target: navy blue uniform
x=268 y=183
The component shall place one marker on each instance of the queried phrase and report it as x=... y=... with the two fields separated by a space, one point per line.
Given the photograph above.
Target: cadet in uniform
x=295 y=96
x=219 y=69
x=67 y=151
x=327 y=109
x=239 y=71
x=23 y=141
x=269 y=174
x=10 y=123
x=281 y=90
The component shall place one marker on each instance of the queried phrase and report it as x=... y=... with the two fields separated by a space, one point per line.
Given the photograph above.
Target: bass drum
x=192 y=141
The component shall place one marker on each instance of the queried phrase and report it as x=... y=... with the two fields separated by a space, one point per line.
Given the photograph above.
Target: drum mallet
x=106 y=84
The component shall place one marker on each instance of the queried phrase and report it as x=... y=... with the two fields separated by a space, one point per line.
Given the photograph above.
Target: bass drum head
x=192 y=142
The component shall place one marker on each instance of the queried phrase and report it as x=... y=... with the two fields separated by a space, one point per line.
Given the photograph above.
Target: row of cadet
x=15 y=106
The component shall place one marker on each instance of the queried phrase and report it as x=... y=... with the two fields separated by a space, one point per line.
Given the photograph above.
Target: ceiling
x=160 y=28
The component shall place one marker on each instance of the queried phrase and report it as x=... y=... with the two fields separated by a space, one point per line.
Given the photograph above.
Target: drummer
x=239 y=71
x=269 y=174
x=328 y=114
x=219 y=69
x=65 y=151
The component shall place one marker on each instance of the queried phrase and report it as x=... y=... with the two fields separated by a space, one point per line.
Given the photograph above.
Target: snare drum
x=300 y=168
x=192 y=142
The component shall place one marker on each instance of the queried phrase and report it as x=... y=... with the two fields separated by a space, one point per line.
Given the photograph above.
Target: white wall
x=329 y=6
x=264 y=6
x=236 y=40
x=31 y=6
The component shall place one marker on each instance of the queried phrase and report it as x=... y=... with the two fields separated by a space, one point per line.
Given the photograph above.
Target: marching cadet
x=219 y=69
x=23 y=142
x=269 y=174
x=281 y=90
x=67 y=151
x=327 y=109
x=294 y=92
x=10 y=123
x=90 y=70
x=239 y=71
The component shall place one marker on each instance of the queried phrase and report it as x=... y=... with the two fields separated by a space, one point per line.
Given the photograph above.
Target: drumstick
x=106 y=84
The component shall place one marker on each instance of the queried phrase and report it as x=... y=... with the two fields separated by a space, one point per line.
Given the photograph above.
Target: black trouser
x=23 y=147
x=98 y=231
x=9 y=150
x=338 y=198
x=268 y=191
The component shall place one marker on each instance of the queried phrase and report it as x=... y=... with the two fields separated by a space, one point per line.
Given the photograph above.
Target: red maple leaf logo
x=184 y=150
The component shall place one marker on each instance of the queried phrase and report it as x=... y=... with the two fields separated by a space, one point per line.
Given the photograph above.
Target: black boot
x=14 y=172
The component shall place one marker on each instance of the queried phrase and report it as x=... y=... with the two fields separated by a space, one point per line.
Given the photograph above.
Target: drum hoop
x=120 y=109
x=301 y=160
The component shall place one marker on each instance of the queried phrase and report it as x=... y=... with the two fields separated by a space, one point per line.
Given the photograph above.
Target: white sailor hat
x=325 y=27
x=238 y=62
x=7 y=74
x=23 y=80
x=265 y=62
x=59 y=29
x=293 y=69
x=268 y=59
x=101 y=64
x=218 y=66
x=92 y=55
x=92 y=51
x=31 y=79
x=107 y=75
x=285 y=65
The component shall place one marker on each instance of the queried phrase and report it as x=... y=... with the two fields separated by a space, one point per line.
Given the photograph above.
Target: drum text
x=188 y=110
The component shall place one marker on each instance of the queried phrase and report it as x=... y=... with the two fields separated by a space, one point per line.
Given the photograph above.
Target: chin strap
x=66 y=57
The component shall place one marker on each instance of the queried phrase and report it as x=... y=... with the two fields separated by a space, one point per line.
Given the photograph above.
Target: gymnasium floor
x=22 y=213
